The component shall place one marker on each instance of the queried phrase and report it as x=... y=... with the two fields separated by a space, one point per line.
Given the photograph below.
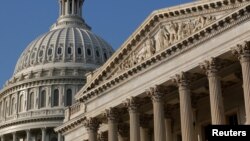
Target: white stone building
x=184 y=68
x=48 y=74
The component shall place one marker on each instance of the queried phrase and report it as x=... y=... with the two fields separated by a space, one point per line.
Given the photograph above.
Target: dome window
x=69 y=50
x=41 y=53
x=105 y=56
x=59 y=50
x=89 y=52
x=50 y=51
x=97 y=53
x=79 y=51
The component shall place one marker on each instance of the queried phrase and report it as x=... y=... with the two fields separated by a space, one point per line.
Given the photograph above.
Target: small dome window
x=105 y=56
x=89 y=52
x=59 y=50
x=69 y=50
x=97 y=53
x=50 y=51
x=79 y=51
x=41 y=53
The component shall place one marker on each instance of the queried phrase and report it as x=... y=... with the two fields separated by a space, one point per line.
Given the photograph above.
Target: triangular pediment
x=161 y=30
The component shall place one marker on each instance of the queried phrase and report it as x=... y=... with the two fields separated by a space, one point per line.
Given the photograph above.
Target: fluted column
x=27 y=135
x=73 y=7
x=144 y=128
x=2 y=138
x=112 y=116
x=43 y=134
x=14 y=136
x=216 y=101
x=243 y=53
x=123 y=130
x=59 y=137
x=186 y=112
x=92 y=125
x=157 y=96
x=168 y=123
x=133 y=107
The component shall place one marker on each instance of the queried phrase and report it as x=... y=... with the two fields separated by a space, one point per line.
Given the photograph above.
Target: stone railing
x=73 y=111
x=33 y=114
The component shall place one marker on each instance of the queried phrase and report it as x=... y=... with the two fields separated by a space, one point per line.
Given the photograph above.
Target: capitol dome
x=49 y=72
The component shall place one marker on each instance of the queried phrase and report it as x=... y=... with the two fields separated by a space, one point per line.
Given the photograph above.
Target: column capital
x=156 y=93
x=132 y=104
x=123 y=129
x=92 y=124
x=111 y=114
x=181 y=80
x=211 y=66
x=242 y=51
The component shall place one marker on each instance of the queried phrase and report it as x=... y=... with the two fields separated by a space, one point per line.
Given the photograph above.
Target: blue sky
x=23 y=20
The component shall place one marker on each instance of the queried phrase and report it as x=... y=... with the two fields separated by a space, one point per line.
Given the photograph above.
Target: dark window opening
x=105 y=56
x=97 y=53
x=43 y=99
x=89 y=52
x=79 y=50
x=69 y=97
x=41 y=53
x=69 y=50
x=59 y=50
x=56 y=97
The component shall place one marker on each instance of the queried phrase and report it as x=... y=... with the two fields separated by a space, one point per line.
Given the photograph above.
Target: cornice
x=155 y=18
x=79 y=120
x=40 y=82
x=31 y=120
x=210 y=31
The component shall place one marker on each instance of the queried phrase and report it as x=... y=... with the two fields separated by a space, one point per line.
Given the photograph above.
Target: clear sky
x=21 y=21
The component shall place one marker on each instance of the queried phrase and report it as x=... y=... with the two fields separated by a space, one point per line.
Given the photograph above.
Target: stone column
x=73 y=7
x=14 y=136
x=112 y=116
x=59 y=137
x=144 y=129
x=123 y=130
x=43 y=134
x=2 y=138
x=186 y=112
x=168 y=123
x=28 y=135
x=243 y=54
x=92 y=125
x=133 y=107
x=157 y=96
x=216 y=101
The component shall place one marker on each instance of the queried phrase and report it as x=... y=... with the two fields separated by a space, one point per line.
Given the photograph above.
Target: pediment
x=161 y=30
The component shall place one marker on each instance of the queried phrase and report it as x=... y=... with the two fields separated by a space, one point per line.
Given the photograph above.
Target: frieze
x=168 y=34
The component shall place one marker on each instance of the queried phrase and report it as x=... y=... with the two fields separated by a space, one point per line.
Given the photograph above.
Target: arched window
x=79 y=50
x=105 y=56
x=6 y=108
x=59 y=50
x=69 y=97
x=69 y=50
x=89 y=52
x=43 y=99
x=31 y=101
x=21 y=103
x=56 y=97
x=12 y=106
